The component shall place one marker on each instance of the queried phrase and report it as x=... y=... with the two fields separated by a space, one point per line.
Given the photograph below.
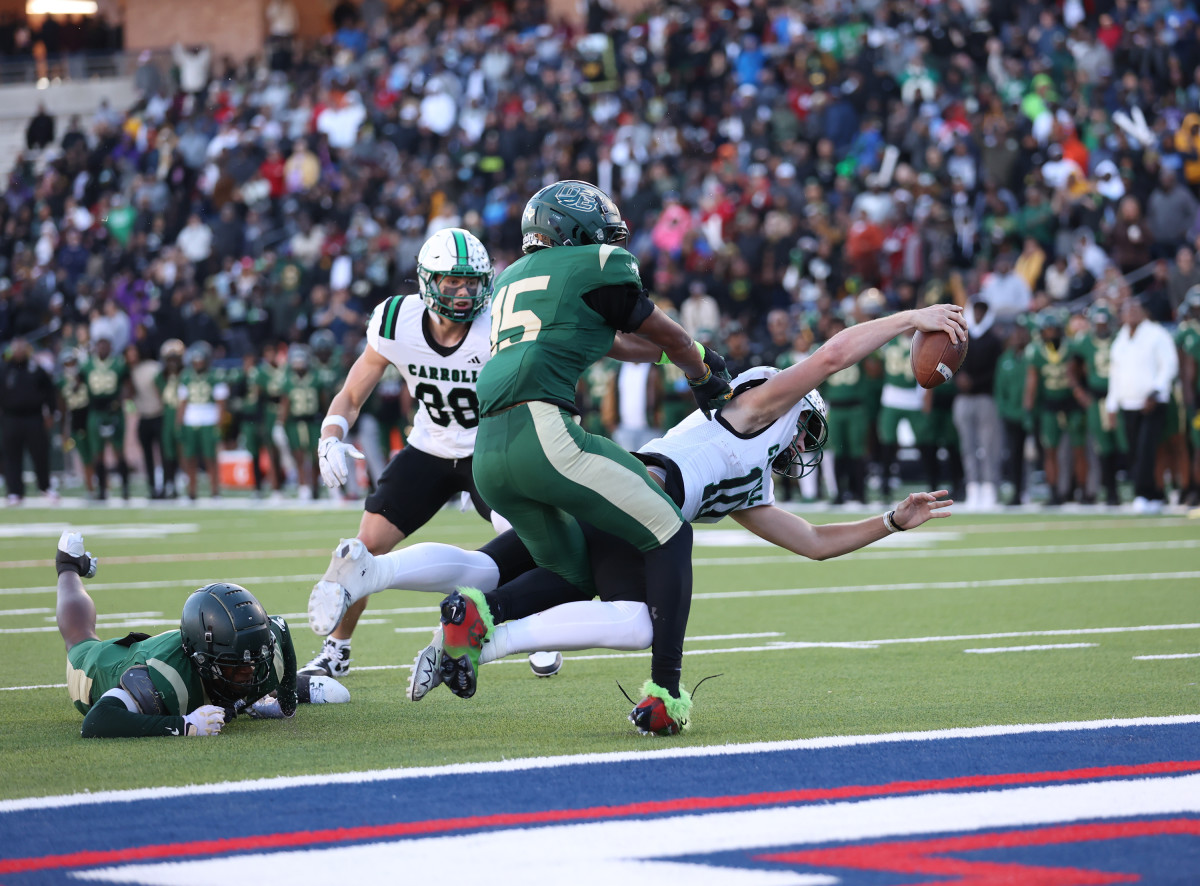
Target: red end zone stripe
x=307 y=839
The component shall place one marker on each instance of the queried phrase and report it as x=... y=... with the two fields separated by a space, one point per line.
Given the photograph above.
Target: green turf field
x=927 y=630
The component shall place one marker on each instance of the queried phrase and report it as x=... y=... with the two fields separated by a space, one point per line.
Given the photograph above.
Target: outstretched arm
x=364 y=375
x=758 y=407
x=797 y=535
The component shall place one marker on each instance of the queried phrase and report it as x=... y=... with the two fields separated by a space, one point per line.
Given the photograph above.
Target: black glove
x=712 y=389
x=717 y=364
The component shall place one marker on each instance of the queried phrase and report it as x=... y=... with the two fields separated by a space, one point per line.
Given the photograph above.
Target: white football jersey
x=724 y=471
x=441 y=380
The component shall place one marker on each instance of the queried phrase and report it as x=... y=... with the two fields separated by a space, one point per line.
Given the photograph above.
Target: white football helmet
x=453 y=252
x=808 y=446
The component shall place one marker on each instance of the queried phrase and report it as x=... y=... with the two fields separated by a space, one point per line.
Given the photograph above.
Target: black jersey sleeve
x=624 y=307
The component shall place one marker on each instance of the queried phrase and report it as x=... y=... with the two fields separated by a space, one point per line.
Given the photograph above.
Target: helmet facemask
x=807 y=448
x=454 y=275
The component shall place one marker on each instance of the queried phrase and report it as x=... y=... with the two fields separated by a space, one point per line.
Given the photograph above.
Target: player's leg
x=96 y=443
x=886 y=430
x=208 y=438
x=189 y=446
x=536 y=465
x=74 y=611
x=118 y=445
x=1050 y=435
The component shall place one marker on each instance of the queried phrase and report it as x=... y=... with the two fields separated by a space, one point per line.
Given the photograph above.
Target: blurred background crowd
x=786 y=169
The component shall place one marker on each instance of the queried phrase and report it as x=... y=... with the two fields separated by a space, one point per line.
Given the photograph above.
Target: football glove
x=205 y=720
x=712 y=389
x=331 y=455
x=266 y=708
x=71 y=557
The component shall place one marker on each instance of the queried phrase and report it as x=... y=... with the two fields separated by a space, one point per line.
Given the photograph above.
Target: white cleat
x=326 y=690
x=327 y=603
x=545 y=664
x=426 y=669
x=72 y=550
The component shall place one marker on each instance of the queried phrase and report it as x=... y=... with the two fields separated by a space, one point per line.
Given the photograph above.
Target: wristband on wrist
x=696 y=382
x=890 y=524
x=336 y=421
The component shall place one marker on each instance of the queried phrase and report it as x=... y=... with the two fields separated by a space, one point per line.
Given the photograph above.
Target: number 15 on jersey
x=507 y=321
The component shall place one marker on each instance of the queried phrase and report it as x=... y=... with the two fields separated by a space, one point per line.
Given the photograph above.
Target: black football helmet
x=571 y=213
x=226 y=634
x=808 y=446
x=323 y=344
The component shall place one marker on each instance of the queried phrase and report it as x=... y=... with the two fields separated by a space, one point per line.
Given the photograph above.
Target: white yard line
x=712 y=595
x=1166 y=657
x=1033 y=648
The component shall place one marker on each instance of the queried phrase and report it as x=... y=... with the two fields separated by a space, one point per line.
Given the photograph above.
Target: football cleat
x=426 y=669
x=332 y=661
x=327 y=603
x=72 y=557
x=659 y=713
x=459 y=674
x=545 y=664
x=321 y=690
x=466 y=622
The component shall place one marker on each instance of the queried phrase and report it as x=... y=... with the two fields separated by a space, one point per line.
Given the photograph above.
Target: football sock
x=669 y=599
x=436 y=568
x=580 y=625
x=529 y=593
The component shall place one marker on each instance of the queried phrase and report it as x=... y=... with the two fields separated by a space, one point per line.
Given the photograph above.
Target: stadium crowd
x=784 y=171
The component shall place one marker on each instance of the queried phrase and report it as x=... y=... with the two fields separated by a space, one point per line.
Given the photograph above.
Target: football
x=935 y=358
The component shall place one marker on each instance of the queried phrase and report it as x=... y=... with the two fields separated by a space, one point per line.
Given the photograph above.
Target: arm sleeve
x=109 y=718
x=623 y=306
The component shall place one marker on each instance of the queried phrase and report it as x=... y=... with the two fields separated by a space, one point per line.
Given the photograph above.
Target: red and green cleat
x=660 y=713
x=466 y=622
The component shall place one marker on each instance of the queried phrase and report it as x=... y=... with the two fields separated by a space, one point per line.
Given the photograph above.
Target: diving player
x=227 y=657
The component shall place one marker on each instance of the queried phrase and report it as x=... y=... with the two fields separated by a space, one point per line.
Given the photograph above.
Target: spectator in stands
x=1184 y=275
x=1170 y=214
x=40 y=131
x=1143 y=367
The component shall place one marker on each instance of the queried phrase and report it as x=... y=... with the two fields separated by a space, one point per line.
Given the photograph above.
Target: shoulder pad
x=136 y=681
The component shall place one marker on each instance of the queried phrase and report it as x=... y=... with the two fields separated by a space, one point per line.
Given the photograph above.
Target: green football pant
x=535 y=465
x=889 y=421
x=1054 y=422
x=106 y=428
x=169 y=440
x=303 y=434
x=848 y=431
x=1106 y=441
x=200 y=441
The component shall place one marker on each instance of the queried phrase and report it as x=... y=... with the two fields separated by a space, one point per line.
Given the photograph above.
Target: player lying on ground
x=710 y=469
x=227 y=657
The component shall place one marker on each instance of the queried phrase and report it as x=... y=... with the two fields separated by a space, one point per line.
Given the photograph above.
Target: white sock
x=338 y=643
x=580 y=625
x=437 y=568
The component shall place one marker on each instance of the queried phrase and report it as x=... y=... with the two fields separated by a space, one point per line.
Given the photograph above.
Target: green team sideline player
x=73 y=407
x=1108 y=436
x=555 y=312
x=107 y=378
x=1187 y=339
x=226 y=657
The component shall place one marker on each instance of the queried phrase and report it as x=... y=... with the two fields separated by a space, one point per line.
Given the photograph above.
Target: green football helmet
x=226 y=634
x=323 y=344
x=1191 y=302
x=199 y=355
x=571 y=213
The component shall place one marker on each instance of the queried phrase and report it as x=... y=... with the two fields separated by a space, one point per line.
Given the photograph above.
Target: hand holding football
x=935 y=358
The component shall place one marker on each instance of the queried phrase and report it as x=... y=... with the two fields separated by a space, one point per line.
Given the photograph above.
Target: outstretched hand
x=944 y=318
x=920 y=507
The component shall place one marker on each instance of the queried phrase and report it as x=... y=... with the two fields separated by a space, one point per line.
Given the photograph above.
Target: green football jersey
x=200 y=386
x=168 y=389
x=1094 y=351
x=74 y=392
x=1187 y=339
x=1009 y=385
x=95 y=668
x=897 y=362
x=104 y=381
x=303 y=394
x=845 y=387
x=544 y=335
x=1053 y=369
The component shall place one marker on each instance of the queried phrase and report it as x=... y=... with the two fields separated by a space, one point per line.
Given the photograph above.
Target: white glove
x=266 y=708
x=331 y=456
x=205 y=720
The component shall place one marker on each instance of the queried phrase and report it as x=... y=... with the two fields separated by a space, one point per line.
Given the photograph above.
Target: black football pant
x=1144 y=430
x=26 y=433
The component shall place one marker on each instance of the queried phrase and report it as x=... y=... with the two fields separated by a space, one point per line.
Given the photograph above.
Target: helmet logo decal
x=575 y=197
